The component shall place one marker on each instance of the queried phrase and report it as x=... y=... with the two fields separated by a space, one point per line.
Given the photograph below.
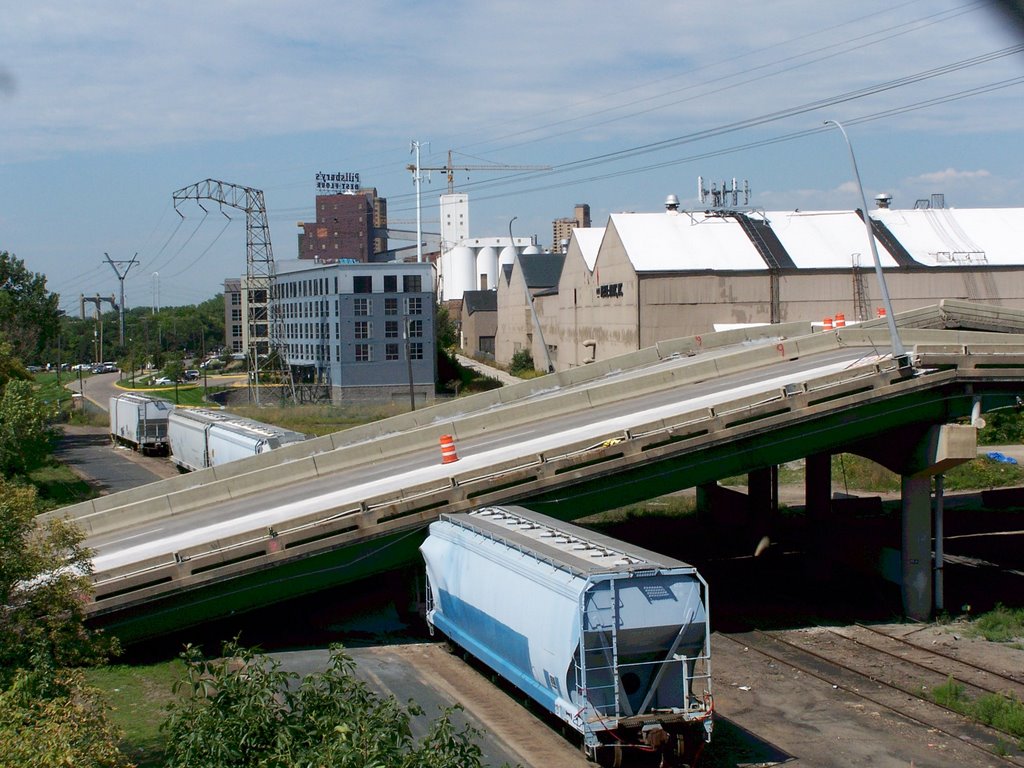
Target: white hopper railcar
x=612 y=639
x=140 y=421
x=201 y=438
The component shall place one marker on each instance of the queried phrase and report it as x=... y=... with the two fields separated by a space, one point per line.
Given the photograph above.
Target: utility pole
x=120 y=276
x=417 y=180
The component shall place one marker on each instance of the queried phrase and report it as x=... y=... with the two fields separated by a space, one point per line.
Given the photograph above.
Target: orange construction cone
x=828 y=323
x=448 y=454
x=840 y=320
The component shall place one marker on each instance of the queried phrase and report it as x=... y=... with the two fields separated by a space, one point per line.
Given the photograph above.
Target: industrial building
x=646 y=277
x=478 y=323
x=362 y=331
x=349 y=225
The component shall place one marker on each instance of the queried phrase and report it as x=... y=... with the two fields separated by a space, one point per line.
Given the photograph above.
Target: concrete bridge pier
x=818 y=485
x=917 y=458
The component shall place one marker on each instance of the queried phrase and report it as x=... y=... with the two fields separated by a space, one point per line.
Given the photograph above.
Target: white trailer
x=140 y=421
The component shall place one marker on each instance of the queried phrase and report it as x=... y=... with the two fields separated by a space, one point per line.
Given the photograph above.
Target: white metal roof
x=589 y=241
x=943 y=237
x=825 y=239
x=668 y=242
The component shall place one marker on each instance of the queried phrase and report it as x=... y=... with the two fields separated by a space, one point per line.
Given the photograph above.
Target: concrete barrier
x=136 y=513
x=271 y=477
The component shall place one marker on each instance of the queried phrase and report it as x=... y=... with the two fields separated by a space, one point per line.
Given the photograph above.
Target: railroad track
x=889 y=681
x=935 y=660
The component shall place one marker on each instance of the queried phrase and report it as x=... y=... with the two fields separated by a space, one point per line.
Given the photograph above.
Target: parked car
x=163 y=381
x=191 y=375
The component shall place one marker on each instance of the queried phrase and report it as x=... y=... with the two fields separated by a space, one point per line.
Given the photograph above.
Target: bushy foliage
x=52 y=719
x=1002 y=428
x=445 y=329
x=26 y=434
x=28 y=311
x=48 y=716
x=43 y=576
x=243 y=710
x=522 y=362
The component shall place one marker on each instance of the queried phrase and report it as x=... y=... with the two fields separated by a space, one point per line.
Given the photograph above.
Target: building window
x=236 y=315
x=361 y=307
x=415 y=329
x=412 y=284
x=414 y=305
x=236 y=299
x=362 y=284
x=390 y=283
x=364 y=353
x=390 y=329
x=416 y=350
x=391 y=351
x=362 y=329
x=391 y=306
x=236 y=330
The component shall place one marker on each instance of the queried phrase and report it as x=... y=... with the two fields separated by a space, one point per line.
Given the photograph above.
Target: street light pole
x=897 y=346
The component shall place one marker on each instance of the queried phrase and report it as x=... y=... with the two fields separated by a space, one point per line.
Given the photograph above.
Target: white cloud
x=952 y=175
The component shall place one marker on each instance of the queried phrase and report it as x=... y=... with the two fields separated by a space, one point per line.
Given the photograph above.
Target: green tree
x=48 y=716
x=44 y=572
x=445 y=330
x=243 y=710
x=26 y=436
x=54 y=720
x=28 y=312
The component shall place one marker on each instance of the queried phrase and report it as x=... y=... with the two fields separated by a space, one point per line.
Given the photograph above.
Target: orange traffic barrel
x=828 y=323
x=880 y=312
x=840 y=320
x=448 y=454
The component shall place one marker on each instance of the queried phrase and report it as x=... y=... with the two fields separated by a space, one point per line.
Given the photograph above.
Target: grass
x=1004 y=713
x=319 y=419
x=138 y=696
x=664 y=507
x=58 y=486
x=1000 y=625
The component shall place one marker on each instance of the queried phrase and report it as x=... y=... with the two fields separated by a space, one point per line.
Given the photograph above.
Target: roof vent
x=883 y=200
x=672 y=203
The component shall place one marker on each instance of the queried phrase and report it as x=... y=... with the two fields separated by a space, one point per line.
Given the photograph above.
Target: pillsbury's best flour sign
x=336 y=183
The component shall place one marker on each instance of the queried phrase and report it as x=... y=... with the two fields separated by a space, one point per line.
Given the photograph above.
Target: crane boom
x=449 y=169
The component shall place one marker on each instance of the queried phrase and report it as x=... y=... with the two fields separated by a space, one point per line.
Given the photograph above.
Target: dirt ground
x=771 y=714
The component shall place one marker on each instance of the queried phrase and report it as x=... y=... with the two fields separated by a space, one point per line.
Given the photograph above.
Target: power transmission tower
x=120 y=276
x=262 y=323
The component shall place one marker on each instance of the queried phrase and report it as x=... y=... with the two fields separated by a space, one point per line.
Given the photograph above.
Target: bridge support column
x=916 y=530
x=818 y=484
x=917 y=458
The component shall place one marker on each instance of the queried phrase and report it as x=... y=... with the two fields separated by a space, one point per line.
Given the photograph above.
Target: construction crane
x=450 y=169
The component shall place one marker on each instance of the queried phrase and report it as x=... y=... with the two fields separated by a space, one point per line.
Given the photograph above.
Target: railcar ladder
x=605 y=632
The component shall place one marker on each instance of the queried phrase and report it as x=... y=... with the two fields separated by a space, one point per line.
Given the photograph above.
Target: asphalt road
x=90 y=454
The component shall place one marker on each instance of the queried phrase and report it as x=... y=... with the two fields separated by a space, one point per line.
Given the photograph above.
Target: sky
x=106 y=109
